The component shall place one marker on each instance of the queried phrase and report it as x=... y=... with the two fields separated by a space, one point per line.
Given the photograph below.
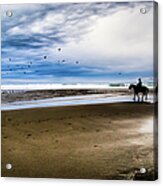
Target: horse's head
x=131 y=87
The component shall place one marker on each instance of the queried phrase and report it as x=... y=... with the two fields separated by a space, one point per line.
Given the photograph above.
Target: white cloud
x=125 y=36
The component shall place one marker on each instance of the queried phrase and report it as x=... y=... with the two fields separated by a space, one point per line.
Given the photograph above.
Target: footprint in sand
x=97 y=130
x=69 y=123
x=5 y=137
x=9 y=119
x=28 y=135
x=95 y=146
x=46 y=130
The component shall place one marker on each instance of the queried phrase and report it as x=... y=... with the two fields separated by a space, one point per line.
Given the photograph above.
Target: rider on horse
x=139 y=88
x=139 y=84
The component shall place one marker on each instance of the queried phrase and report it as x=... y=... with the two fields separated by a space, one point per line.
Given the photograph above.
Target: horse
x=143 y=89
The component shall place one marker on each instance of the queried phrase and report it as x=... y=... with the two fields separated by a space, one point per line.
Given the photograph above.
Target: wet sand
x=103 y=141
x=9 y=96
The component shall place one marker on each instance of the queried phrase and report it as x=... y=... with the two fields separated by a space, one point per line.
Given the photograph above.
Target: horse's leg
x=142 y=97
x=138 y=97
x=134 y=97
x=146 y=97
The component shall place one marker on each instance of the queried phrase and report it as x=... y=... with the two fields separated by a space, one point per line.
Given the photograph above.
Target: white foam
x=58 y=86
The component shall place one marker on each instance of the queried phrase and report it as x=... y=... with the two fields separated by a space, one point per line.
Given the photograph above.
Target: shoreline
x=62 y=103
x=51 y=98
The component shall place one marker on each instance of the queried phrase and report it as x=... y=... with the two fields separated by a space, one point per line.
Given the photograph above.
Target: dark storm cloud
x=76 y=21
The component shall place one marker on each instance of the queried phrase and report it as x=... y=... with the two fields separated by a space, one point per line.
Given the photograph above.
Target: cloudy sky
x=77 y=43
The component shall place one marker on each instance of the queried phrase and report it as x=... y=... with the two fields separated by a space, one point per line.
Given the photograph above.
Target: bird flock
x=30 y=64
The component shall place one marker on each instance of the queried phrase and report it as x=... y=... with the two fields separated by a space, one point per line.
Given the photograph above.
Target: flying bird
x=9 y=59
x=45 y=57
x=59 y=49
x=77 y=62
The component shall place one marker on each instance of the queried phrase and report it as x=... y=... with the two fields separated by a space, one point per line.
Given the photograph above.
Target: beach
x=98 y=141
x=79 y=91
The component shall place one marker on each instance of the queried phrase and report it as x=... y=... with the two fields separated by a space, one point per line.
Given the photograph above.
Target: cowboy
x=139 y=84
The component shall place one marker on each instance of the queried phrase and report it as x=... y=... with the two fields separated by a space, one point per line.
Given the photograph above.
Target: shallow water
x=70 y=100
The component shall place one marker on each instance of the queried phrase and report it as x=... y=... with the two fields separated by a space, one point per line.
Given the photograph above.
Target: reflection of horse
x=143 y=89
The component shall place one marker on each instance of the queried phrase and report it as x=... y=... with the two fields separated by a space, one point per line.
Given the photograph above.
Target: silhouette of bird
x=59 y=49
x=77 y=62
x=63 y=60
x=45 y=57
x=9 y=59
x=120 y=73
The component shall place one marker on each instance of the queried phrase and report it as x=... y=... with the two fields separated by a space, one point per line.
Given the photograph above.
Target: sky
x=77 y=43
